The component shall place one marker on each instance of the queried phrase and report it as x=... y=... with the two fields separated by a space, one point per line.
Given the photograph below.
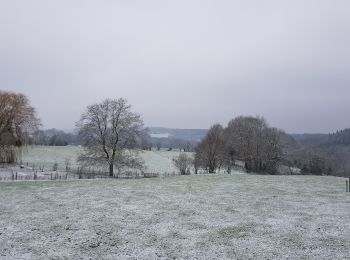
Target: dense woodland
x=323 y=154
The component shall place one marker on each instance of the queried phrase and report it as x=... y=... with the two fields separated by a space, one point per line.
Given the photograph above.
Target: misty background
x=182 y=64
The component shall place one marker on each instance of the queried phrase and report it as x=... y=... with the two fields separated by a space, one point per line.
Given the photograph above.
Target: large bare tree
x=254 y=142
x=209 y=152
x=248 y=139
x=110 y=132
x=17 y=120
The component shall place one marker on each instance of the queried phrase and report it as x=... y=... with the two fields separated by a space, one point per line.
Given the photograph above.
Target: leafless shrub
x=183 y=163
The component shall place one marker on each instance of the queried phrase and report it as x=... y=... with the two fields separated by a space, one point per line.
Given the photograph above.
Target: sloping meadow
x=197 y=217
x=46 y=156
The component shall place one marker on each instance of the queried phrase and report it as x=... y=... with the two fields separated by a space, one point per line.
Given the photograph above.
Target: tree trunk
x=111 y=170
x=248 y=165
x=211 y=169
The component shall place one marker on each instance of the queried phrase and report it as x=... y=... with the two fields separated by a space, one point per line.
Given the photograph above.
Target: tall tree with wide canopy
x=111 y=134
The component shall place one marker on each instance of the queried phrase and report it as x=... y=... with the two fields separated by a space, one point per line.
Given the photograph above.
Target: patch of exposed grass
x=235 y=231
x=196 y=226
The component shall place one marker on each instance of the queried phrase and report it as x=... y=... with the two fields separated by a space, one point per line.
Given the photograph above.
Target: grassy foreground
x=197 y=217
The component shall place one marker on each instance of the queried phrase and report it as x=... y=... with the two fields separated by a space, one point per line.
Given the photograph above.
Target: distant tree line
x=323 y=154
x=54 y=137
x=264 y=149
x=173 y=143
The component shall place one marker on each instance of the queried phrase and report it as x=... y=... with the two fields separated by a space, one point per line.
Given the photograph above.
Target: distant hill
x=324 y=153
x=341 y=137
x=192 y=135
x=310 y=139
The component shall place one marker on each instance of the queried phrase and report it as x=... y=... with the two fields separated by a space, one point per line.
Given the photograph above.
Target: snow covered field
x=41 y=160
x=46 y=156
x=197 y=217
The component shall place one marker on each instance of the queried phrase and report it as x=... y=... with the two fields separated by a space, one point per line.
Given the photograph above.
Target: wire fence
x=30 y=171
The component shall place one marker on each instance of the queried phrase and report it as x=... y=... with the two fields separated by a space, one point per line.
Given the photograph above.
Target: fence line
x=38 y=172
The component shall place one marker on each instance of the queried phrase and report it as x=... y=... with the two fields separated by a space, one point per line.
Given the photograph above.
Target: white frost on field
x=46 y=156
x=42 y=159
x=160 y=135
x=159 y=161
x=185 y=217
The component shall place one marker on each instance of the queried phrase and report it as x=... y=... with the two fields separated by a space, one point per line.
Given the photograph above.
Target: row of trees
x=148 y=142
x=270 y=150
x=53 y=137
x=247 y=139
x=111 y=134
x=173 y=143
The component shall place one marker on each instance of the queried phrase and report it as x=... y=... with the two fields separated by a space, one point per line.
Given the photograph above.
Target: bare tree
x=18 y=119
x=110 y=132
x=158 y=144
x=67 y=163
x=270 y=151
x=183 y=163
x=208 y=153
x=251 y=140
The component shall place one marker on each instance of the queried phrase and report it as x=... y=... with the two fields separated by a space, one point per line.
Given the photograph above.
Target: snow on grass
x=155 y=161
x=184 y=217
x=48 y=155
x=160 y=135
x=159 y=161
x=43 y=158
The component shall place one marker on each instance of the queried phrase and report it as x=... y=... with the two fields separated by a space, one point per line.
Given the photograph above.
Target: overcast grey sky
x=182 y=63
